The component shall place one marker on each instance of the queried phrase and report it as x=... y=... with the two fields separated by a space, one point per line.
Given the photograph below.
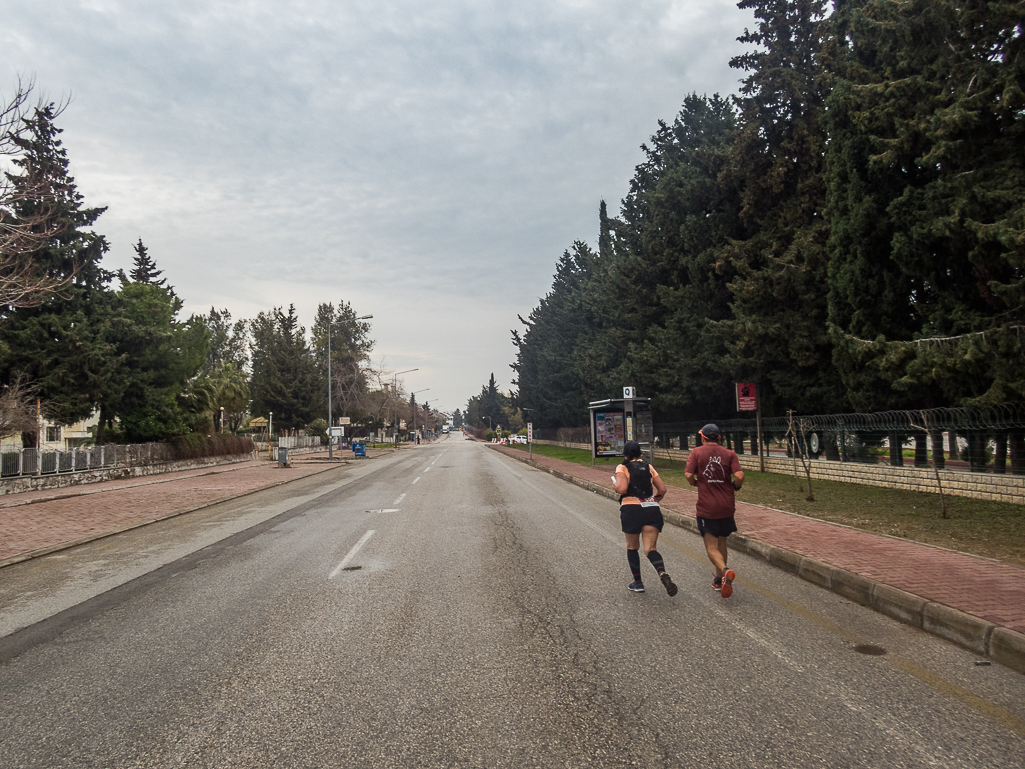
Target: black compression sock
x=634 y=559
x=656 y=561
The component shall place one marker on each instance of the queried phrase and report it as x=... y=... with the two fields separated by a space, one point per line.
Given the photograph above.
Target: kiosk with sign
x=618 y=420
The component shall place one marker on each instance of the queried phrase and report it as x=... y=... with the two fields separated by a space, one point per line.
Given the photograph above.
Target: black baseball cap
x=710 y=431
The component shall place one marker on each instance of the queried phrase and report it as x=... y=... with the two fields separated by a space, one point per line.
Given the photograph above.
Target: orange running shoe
x=727 y=582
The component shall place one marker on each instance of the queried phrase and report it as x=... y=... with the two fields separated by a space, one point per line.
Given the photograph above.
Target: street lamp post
x=330 y=424
x=395 y=403
x=414 y=410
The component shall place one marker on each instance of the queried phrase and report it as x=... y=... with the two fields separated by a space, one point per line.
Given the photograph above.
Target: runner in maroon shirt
x=710 y=467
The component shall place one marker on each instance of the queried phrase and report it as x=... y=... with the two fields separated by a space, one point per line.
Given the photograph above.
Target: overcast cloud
x=427 y=162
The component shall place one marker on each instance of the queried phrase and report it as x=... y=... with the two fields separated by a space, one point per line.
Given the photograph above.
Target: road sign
x=747 y=397
x=530 y=432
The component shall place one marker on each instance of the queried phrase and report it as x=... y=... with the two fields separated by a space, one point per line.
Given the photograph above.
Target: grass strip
x=976 y=526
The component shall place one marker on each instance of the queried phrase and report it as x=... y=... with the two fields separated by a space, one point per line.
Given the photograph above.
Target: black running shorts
x=717 y=527
x=636 y=517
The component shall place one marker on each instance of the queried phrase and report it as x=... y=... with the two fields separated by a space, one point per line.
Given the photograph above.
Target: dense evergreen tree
x=145 y=269
x=778 y=335
x=549 y=349
x=675 y=221
x=156 y=355
x=938 y=90
x=229 y=342
x=350 y=353
x=284 y=377
x=62 y=345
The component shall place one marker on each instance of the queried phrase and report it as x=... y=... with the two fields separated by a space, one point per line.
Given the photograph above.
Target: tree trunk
x=1000 y=457
x=831 y=446
x=977 y=451
x=921 y=450
x=1017 y=441
x=896 y=450
x=101 y=427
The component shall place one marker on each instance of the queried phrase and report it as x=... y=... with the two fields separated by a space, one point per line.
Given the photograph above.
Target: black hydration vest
x=640 y=480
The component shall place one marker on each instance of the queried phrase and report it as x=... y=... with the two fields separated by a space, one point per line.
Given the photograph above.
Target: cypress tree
x=940 y=111
x=778 y=334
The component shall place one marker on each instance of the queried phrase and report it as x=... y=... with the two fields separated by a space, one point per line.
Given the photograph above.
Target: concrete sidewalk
x=36 y=523
x=975 y=602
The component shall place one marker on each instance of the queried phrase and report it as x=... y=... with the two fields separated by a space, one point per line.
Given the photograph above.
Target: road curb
x=977 y=635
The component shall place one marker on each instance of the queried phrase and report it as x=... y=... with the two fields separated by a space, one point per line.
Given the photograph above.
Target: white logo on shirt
x=714 y=472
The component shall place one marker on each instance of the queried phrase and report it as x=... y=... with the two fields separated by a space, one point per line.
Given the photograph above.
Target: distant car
x=519 y=439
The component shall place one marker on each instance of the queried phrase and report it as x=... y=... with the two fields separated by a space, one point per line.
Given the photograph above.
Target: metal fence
x=300 y=441
x=16 y=463
x=976 y=439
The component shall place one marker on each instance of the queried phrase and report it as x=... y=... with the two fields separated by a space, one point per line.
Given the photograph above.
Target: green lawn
x=991 y=529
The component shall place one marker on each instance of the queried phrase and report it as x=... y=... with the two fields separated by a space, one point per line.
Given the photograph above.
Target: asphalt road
x=448 y=607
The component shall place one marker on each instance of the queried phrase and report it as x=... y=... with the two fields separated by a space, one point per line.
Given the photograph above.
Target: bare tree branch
x=23 y=283
x=18 y=410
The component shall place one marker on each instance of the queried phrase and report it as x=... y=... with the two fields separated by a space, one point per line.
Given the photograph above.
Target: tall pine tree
x=778 y=335
x=62 y=345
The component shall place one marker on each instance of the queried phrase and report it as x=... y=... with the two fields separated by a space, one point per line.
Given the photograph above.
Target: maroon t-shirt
x=713 y=466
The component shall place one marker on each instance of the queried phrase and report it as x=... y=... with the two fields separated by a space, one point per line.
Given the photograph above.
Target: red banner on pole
x=747 y=397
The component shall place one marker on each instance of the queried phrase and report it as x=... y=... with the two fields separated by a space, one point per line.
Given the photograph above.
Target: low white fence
x=299 y=441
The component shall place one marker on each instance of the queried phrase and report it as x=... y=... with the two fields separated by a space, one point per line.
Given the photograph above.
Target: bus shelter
x=615 y=421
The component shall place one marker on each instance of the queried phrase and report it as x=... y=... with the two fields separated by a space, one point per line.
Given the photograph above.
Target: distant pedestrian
x=640 y=490
x=717 y=474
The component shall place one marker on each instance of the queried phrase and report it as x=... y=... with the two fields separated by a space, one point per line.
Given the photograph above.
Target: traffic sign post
x=530 y=440
x=747 y=400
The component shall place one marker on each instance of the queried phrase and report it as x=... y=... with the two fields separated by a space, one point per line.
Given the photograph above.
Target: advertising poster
x=608 y=433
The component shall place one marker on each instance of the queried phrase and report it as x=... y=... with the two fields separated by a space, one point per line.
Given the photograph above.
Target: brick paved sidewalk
x=37 y=522
x=981 y=587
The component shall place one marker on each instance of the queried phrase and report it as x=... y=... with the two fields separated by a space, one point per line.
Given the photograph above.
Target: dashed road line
x=352 y=553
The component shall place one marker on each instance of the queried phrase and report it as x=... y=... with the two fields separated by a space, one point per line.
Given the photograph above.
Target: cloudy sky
x=427 y=162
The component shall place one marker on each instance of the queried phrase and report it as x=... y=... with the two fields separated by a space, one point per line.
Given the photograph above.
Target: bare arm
x=622 y=482
x=660 y=488
x=738 y=479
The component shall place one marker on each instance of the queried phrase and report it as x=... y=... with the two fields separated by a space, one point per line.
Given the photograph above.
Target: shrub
x=196 y=446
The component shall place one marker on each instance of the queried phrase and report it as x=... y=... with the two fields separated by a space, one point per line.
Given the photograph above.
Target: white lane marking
x=427 y=470
x=384 y=510
x=352 y=553
x=401 y=497
x=418 y=478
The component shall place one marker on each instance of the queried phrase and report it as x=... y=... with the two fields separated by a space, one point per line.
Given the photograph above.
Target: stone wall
x=961 y=483
x=64 y=480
